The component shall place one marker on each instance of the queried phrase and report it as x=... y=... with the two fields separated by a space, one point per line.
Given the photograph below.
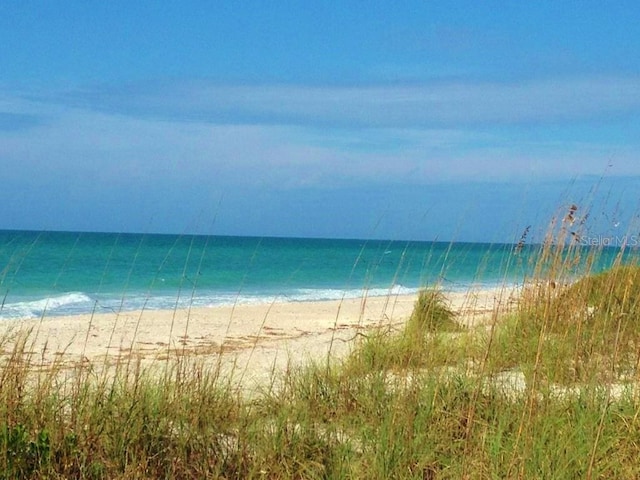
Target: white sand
x=251 y=340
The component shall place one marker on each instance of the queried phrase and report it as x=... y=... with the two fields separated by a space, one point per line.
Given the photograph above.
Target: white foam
x=216 y=299
x=81 y=303
x=37 y=308
x=337 y=294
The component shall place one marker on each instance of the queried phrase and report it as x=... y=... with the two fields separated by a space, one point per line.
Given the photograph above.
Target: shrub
x=431 y=314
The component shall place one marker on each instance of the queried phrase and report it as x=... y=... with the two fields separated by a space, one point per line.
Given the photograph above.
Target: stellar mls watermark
x=610 y=241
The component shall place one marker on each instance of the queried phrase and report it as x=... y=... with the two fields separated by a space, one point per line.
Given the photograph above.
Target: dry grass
x=547 y=390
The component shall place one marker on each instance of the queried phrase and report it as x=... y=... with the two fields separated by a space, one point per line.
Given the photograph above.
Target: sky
x=419 y=120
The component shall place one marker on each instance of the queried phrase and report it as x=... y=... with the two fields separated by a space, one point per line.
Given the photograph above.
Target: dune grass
x=546 y=390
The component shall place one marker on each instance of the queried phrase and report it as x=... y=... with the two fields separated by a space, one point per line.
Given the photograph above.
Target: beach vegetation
x=547 y=388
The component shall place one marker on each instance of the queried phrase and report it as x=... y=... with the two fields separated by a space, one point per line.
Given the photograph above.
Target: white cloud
x=433 y=105
x=101 y=166
x=341 y=143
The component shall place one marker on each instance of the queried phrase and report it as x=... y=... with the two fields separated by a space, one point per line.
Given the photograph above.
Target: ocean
x=58 y=273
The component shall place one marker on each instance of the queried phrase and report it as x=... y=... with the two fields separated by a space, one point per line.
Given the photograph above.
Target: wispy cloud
x=293 y=136
x=442 y=104
x=113 y=149
x=105 y=161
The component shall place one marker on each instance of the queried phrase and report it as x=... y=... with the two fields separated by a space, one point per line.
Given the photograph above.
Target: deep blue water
x=63 y=273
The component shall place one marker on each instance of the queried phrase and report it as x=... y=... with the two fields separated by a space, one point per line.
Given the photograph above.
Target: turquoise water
x=67 y=273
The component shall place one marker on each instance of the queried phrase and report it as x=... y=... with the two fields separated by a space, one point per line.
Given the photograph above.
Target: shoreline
x=251 y=339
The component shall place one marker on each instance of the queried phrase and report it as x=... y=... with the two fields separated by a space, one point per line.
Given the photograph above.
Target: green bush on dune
x=420 y=342
x=614 y=292
x=587 y=331
x=431 y=314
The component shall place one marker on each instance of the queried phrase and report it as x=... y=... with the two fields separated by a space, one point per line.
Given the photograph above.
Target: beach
x=249 y=341
x=247 y=305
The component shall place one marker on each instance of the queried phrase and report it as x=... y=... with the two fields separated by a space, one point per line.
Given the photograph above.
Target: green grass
x=430 y=400
x=430 y=337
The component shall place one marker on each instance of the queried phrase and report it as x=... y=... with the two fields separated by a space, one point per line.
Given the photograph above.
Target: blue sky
x=452 y=120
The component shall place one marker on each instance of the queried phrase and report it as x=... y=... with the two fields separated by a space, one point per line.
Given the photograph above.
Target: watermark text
x=610 y=241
